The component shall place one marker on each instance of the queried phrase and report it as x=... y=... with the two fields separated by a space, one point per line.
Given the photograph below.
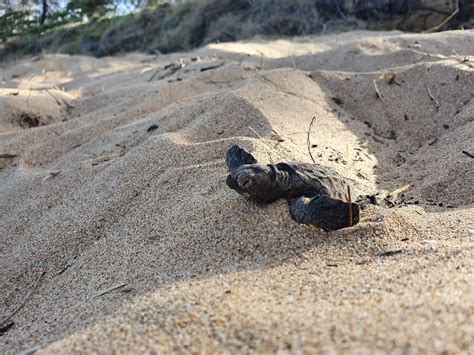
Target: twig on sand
x=308 y=139
x=432 y=97
x=6 y=327
x=389 y=78
x=54 y=97
x=170 y=70
x=262 y=60
x=28 y=296
x=390 y=253
x=465 y=152
x=154 y=75
x=377 y=92
x=68 y=105
x=212 y=66
x=272 y=149
x=398 y=191
x=292 y=62
x=259 y=136
x=256 y=133
x=278 y=137
x=51 y=174
x=113 y=288
x=437 y=27
x=349 y=199
x=7 y=155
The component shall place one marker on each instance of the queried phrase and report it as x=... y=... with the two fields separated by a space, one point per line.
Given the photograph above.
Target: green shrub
x=14 y=23
x=188 y=24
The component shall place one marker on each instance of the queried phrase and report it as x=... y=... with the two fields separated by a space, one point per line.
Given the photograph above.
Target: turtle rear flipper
x=237 y=157
x=324 y=212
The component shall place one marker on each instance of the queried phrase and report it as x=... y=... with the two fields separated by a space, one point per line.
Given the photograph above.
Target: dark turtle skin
x=316 y=193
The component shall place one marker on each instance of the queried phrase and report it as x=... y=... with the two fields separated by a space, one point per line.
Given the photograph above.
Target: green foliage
x=89 y=8
x=14 y=22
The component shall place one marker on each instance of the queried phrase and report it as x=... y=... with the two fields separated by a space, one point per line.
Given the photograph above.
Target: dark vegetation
x=87 y=27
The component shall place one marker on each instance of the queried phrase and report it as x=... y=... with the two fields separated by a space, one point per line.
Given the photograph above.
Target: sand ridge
x=121 y=183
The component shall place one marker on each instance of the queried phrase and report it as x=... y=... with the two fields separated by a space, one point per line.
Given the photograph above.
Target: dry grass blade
x=262 y=60
x=113 y=288
x=259 y=136
x=68 y=105
x=272 y=149
x=28 y=296
x=293 y=64
x=54 y=97
x=377 y=92
x=449 y=18
x=52 y=174
x=256 y=133
x=349 y=199
x=432 y=97
x=308 y=139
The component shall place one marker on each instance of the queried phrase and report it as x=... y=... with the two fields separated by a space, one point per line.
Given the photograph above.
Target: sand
x=144 y=248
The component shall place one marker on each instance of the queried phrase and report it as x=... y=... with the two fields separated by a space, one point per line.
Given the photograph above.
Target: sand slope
x=95 y=199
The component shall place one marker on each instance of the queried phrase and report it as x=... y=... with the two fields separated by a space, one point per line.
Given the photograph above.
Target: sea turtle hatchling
x=316 y=193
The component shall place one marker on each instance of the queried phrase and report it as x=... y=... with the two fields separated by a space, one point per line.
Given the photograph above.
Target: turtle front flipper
x=237 y=157
x=324 y=212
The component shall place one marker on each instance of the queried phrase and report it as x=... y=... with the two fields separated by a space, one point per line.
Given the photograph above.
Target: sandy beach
x=119 y=234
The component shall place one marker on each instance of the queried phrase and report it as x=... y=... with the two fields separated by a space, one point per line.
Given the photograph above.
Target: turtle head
x=254 y=181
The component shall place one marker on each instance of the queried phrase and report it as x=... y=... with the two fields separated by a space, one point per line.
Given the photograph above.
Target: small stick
x=154 y=74
x=6 y=327
x=432 y=97
x=279 y=138
x=377 y=92
x=449 y=18
x=63 y=269
x=68 y=105
x=212 y=66
x=51 y=174
x=40 y=278
x=262 y=61
x=465 y=152
x=7 y=155
x=390 y=253
x=292 y=62
x=398 y=191
x=54 y=97
x=349 y=199
x=308 y=139
x=113 y=288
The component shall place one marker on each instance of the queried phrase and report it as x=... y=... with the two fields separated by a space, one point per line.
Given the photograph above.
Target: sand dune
x=112 y=175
